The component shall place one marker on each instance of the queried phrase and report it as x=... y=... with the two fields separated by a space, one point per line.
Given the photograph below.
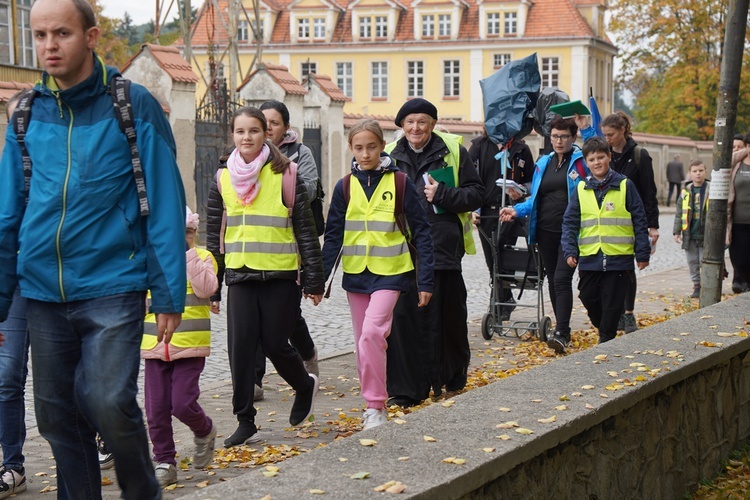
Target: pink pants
x=372 y=316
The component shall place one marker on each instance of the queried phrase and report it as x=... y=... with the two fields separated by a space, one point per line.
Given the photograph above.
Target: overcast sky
x=141 y=11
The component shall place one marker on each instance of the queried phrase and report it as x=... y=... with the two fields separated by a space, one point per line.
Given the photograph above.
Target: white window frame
x=381 y=26
x=452 y=78
x=379 y=79
x=8 y=42
x=510 y=23
x=414 y=78
x=550 y=72
x=306 y=68
x=428 y=25
x=25 y=42
x=243 y=30
x=365 y=27
x=303 y=28
x=500 y=60
x=444 y=25
x=319 y=28
x=345 y=78
x=493 y=24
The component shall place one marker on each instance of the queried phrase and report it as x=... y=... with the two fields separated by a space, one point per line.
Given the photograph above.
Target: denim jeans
x=86 y=358
x=14 y=355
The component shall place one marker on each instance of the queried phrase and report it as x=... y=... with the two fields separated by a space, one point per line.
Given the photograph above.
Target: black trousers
x=677 y=187
x=429 y=346
x=262 y=313
x=739 y=250
x=559 y=279
x=632 y=288
x=602 y=294
x=300 y=340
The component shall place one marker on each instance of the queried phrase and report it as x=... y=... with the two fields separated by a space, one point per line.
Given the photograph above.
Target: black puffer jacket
x=308 y=244
x=642 y=176
x=446 y=230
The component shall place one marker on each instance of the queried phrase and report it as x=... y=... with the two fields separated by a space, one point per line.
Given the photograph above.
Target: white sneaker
x=204 y=449
x=11 y=482
x=311 y=365
x=166 y=474
x=258 y=393
x=374 y=418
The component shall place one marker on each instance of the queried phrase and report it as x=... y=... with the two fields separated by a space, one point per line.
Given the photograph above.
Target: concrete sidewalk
x=338 y=405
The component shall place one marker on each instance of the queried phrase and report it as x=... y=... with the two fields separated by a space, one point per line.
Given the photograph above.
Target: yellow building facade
x=384 y=52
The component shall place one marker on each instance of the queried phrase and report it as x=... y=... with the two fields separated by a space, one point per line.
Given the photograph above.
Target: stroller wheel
x=487 y=326
x=545 y=329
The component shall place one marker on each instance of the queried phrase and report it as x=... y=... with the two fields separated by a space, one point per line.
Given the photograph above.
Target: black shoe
x=302 y=408
x=403 y=401
x=246 y=433
x=629 y=323
x=738 y=287
x=558 y=342
x=696 y=292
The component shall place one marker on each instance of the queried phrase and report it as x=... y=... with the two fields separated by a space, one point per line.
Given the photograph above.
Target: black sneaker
x=629 y=323
x=302 y=408
x=246 y=433
x=558 y=342
x=738 y=287
x=106 y=459
x=12 y=481
x=696 y=292
x=403 y=401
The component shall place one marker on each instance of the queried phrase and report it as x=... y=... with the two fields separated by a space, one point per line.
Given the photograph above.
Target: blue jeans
x=14 y=355
x=86 y=357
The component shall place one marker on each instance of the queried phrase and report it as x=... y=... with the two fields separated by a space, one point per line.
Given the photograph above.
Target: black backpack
x=316 y=204
x=120 y=91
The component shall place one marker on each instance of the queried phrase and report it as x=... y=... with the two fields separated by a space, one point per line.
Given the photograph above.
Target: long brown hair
x=279 y=162
x=620 y=121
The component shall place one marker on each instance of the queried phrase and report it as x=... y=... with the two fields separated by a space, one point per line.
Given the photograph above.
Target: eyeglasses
x=556 y=137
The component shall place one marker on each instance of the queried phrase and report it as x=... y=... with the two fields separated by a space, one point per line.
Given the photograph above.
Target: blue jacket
x=367 y=282
x=81 y=235
x=572 y=226
x=576 y=167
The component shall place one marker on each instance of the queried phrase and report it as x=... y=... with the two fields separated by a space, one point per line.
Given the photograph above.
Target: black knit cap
x=417 y=105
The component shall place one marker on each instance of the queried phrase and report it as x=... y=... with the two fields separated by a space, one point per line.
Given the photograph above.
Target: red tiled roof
x=170 y=60
x=387 y=123
x=556 y=18
x=328 y=87
x=9 y=89
x=546 y=19
x=280 y=75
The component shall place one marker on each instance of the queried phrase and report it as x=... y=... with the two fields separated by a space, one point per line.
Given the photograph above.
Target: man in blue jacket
x=84 y=254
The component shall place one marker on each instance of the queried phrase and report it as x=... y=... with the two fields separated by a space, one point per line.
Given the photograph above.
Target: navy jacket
x=572 y=226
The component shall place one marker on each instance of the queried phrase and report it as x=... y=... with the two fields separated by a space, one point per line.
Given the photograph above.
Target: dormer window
x=381 y=27
x=243 y=31
x=428 y=26
x=511 y=23
x=444 y=25
x=303 y=29
x=493 y=24
x=365 y=30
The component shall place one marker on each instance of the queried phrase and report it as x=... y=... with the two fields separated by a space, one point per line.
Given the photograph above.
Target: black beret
x=417 y=105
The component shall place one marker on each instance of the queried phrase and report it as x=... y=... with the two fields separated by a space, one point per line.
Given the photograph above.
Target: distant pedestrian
x=172 y=371
x=739 y=285
x=675 y=177
x=690 y=221
x=363 y=227
x=256 y=246
x=738 y=215
x=604 y=228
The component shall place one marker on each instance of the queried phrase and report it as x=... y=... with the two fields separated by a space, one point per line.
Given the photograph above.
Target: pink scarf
x=244 y=176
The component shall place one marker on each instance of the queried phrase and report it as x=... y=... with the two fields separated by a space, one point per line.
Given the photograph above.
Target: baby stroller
x=515 y=270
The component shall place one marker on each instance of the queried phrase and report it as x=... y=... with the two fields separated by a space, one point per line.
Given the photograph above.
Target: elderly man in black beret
x=429 y=347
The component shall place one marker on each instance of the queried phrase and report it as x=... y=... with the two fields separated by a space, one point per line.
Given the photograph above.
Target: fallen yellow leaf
x=403 y=459
x=504 y=437
x=564 y=397
x=507 y=425
x=429 y=439
x=368 y=442
x=399 y=487
x=384 y=486
x=448 y=403
x=548 y=420
x=488 y=450
x=317 y=492
x=202 y=484
x=269 y=473
x=506 y=410
x=272 y=468
x=561 y=408
x=600 y=357
x=521 y=430
x=587 y=387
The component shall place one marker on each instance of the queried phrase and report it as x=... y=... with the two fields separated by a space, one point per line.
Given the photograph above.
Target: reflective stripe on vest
x=195 y=328
x=453 y=159
x=372 y=238
x=260 y=235
x=686 y=208
x=608 y=228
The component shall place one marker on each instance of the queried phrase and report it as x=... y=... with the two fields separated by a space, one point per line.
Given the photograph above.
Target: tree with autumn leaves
x=671 y=53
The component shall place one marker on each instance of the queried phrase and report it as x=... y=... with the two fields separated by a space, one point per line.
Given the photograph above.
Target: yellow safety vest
x=260 y=235
x=453 y=159
x=195 y=328
x=372 y=238
x=608 y=228
x=686 y=208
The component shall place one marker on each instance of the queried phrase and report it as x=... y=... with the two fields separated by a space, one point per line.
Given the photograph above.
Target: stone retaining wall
x=635 y=434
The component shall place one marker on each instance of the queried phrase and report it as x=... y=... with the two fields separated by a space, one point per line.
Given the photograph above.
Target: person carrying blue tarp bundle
x=85 y=241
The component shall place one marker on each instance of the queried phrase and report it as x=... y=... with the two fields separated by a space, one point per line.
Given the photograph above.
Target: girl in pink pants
x=377 y=230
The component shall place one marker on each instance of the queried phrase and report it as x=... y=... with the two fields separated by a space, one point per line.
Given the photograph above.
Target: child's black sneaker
x=106 y=459
x=12 y=481
x=558 y=342
x=246 y=433
x=302 y=408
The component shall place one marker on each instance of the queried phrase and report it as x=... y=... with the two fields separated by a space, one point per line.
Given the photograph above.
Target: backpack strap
x=293 y=151
x=637 y=152
x=120 y=90
x=289 y=187
x=400 y=179
x=21 y=117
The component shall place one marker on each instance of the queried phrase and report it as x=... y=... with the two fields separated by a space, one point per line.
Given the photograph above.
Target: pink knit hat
x=191 y=219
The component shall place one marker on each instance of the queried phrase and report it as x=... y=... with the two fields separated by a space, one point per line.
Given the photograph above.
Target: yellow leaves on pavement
x=107 y=481
x=360 y=475
x=488 y=450
x=507 y=425
x=448 y=403
x=547 y=420
x=429 y=439
x=600 y=357
x=368 y=442
x=454 y=460
x=503 y=409
x=185 y=463
x=523 y=431
x=391 y=487
x=588 y=387
x=316 y=492
x=503 y=437
x=202 y=484
x=564 y=397
x=271 y=471
x=561 y=408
